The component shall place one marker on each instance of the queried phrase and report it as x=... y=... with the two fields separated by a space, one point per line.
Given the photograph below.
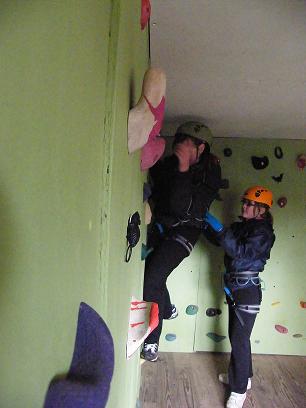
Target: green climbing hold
x=215 y=337
x=192 y=309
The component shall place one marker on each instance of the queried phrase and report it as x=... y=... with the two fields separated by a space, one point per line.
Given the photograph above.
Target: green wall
x=69 y=72
x=199 y=279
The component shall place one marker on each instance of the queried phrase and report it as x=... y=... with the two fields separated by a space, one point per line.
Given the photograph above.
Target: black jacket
x=182 y=198
x=247 y=245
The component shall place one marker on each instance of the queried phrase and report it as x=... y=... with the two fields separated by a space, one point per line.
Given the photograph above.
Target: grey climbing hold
x=297 y=335
x=212 y=311
x=192 y=309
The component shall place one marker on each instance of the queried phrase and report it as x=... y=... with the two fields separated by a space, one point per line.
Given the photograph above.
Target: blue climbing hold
x=170 y=337
x=192 y=309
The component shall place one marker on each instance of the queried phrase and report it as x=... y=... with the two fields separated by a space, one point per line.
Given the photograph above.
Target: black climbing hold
x=282 y=201
x=278 y=152
x=279 y=178
x=224 y=183
x=260 y=163
x=211 y=311
x=227 y=152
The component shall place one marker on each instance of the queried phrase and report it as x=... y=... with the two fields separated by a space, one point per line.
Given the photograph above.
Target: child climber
x=247 y=246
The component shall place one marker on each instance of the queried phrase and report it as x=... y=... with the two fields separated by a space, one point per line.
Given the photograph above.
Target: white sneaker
x=236 y=400
x=149 y=352
x=223 y=378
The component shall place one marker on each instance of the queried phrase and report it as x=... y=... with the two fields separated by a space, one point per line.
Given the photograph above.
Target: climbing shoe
x=150 y=352
x=223 y=378
x=236 y=400
x=174 y=313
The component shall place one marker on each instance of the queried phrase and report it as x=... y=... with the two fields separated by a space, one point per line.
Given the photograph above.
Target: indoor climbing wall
x=281 y=325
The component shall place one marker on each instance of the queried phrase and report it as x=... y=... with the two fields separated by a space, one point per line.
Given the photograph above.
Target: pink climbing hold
x=145 y=13
x=303 y=304
x=281 y=329
x=301 y=161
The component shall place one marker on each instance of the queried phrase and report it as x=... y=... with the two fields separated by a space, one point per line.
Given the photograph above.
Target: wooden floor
x=190 y=380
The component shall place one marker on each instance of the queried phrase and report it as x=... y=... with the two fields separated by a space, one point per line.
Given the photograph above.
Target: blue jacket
x=247 y=245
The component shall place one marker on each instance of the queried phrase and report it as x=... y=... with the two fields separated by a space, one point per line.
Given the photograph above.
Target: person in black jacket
x=247 y=245
x=183 y=187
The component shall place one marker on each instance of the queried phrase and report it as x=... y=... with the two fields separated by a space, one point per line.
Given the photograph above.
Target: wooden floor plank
x=190 y=380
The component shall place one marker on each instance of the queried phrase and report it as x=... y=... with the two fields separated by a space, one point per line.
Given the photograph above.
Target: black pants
x=167 y=255
x=240 y=367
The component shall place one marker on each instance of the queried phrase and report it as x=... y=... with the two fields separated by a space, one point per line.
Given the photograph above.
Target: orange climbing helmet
x=260 y=195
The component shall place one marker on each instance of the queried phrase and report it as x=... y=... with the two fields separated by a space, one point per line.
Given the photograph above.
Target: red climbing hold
x=281 y=329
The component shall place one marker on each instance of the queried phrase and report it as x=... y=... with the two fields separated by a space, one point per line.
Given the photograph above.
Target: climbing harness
x=183 y=241
x=174 y=237
x=244 y=278
x=240 y=280
x=233 y=304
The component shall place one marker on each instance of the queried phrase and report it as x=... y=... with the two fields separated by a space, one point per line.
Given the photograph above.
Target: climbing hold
x=192 y=309
x=275 y=303
x=257 y=341
x=279 y=178
x=215 y=337
x=145 y=13
x=224 y=183
x=145 y=251
x=297 y=335
x=303 y=304
x=282 y=201
x=211 y=311
x=260 y=163
x=170 y=337
x=281 y=329
x=301 y=161
x=227 y=152
x=278 y=152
